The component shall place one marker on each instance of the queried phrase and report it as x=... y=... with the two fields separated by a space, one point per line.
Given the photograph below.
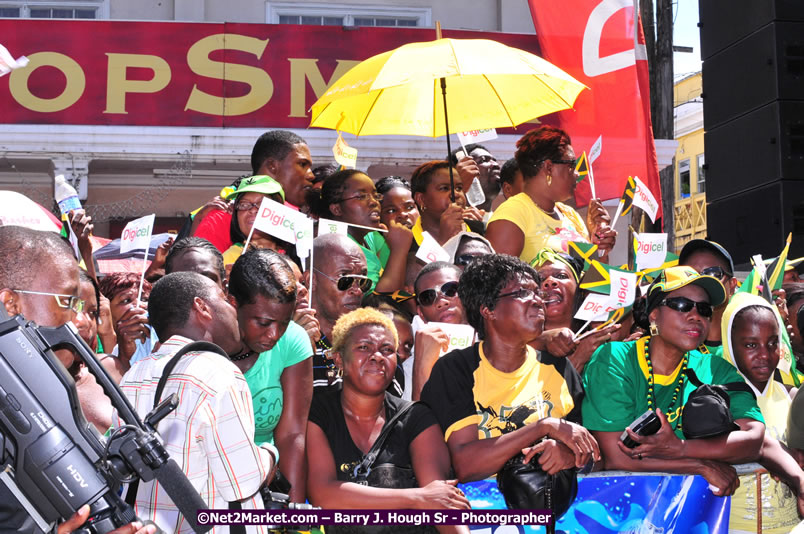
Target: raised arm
x=506 y=237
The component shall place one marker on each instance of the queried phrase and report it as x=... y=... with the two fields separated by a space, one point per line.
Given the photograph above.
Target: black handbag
x=528 y=487
x=706 y=413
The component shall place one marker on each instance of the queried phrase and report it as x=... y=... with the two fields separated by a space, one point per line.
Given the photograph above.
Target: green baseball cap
x=257 y=184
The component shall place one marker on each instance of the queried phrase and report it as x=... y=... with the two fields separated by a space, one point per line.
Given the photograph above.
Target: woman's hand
x=579 y=440
x=558 y=341
x=555 y=456
x=442 y=494
x=106 y=324
x=663 y=444
x=399 y=236
x=471 y=213
x=468 y=170
x=721 y=475
x=133 y=325
x=588 y=344
x=82 y=226
x=451 y=222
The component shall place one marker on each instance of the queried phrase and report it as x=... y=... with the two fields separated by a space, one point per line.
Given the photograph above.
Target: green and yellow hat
x=257 y=184
x=677 y=277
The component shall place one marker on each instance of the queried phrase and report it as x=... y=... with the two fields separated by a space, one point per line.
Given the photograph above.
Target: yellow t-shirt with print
x=540 y=229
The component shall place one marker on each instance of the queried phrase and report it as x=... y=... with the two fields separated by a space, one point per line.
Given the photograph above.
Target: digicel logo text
x=277 y=219
x=646 y=248
x=130 y=234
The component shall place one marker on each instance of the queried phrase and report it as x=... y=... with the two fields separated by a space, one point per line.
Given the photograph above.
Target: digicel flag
x=600 y=43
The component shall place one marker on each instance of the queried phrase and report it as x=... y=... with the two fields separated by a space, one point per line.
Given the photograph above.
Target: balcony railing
x=690 y=219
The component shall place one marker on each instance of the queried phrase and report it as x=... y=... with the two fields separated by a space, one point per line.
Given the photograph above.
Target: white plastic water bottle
x=66 y=196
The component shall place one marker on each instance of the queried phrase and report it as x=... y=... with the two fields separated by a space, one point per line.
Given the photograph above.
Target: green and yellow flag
x=584 y=252
x=582 y=168
x=597 y=278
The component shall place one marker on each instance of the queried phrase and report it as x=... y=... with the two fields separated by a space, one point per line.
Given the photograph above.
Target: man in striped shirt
x=211 y=433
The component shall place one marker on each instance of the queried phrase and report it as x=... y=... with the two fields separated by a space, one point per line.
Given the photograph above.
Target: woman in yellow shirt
x=536 y=218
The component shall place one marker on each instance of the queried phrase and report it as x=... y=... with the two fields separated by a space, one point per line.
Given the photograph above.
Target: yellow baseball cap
x=677 y=277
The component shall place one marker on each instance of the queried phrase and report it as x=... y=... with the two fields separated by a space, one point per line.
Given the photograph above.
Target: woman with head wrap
x=560 y=278
x=750 y=329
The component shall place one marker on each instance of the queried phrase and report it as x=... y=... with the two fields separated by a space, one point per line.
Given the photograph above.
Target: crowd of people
x=353 y=354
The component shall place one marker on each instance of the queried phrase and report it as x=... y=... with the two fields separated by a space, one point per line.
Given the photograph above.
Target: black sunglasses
x=570 y=162
x=465 y=259
x=343 y=283
x=684 y=305
x=429 y=296
x=521 y=294
x=716 y=271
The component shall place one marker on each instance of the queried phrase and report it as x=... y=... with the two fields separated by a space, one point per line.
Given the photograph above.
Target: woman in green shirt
x=623 y=380
x=275 y=358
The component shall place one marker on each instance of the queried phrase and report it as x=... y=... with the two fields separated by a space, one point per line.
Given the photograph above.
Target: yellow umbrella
x=487 y=85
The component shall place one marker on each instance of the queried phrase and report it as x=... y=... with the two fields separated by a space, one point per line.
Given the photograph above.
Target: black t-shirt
x=327 y=413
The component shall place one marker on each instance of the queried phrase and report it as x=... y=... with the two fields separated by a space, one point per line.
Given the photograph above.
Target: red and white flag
x=601 y=44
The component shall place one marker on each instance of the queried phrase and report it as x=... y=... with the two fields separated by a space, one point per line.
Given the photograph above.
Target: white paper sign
x=644 y=199
x=623 y=288
x=650 y=250
x=595 y=307
x=137 y=234
x=475 y=196
x=279 y=221
x=430 y=251
x=328 y=226
x=594 y=152
x=460 y=335
x=304 y=238
x=344 y=154
x=477 y=136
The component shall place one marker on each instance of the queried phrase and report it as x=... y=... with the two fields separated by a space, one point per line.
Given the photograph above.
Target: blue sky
x=685 y=33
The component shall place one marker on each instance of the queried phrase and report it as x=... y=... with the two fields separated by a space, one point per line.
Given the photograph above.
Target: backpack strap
x=362 y=471
x=731 y=386
x=195 y=346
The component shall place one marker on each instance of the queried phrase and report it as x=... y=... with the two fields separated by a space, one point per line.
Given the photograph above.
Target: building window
x=346 y=15
x=701 y=169
x=684 y=179
x=54 y=9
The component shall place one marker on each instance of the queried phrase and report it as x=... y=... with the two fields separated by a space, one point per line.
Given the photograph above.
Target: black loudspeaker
x=757 y=148
x=723 y=22
x=758 y=222
x=765 y=66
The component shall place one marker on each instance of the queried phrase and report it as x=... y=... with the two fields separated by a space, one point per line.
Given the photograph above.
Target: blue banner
x=623 y=502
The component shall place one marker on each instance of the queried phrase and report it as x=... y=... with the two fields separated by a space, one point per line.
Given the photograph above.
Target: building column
x=76 y=171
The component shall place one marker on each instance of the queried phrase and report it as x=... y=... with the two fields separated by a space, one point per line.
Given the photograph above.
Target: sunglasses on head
x=716 y=271
x=346 y=281
x=465 y=259
x=429 y=296
x=684 y=305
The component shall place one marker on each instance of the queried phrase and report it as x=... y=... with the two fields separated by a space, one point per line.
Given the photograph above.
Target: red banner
x=595 y=42
x=185 y=74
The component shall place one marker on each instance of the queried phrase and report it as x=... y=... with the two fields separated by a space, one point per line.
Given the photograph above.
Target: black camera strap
x=195 y=346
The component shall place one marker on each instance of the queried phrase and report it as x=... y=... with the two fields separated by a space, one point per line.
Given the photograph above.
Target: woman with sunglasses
x=560 y=276
x=490 y=398
x=412 y=462
x=441 y=216
x=437 y=301
x=275 y=358
x=624 y=380
x=537 y=218
x=350 y=196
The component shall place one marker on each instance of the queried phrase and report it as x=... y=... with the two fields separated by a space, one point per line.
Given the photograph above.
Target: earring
x=549 y=180
x=654 y=330
x=340 y=372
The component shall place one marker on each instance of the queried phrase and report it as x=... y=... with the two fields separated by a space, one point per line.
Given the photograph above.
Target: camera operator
x=39 y=279
x=211 y=432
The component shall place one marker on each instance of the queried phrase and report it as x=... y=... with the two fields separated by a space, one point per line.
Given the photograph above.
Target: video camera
x=52 y=459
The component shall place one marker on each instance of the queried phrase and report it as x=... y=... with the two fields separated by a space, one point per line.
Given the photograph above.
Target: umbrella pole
x=449 y=145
